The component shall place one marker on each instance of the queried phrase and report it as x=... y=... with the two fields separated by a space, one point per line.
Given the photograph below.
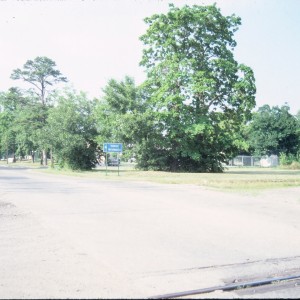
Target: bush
x=295 y=165
x=290 y=161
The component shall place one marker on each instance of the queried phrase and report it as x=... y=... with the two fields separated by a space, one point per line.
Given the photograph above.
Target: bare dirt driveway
x=68 y=237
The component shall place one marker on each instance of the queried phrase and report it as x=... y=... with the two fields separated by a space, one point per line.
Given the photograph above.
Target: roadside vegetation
x=235 y=179
x=232 y=179
x=193 y=113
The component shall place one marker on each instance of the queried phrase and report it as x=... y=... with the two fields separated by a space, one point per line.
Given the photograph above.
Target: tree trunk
x=44 y=159
x=51 y=156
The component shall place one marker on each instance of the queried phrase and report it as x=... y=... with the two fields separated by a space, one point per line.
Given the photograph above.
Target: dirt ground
x=63 y=237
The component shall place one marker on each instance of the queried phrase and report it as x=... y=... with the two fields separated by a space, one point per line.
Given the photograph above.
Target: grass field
x=234 y=178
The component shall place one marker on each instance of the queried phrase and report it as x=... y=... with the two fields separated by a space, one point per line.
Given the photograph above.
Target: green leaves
x=41 y=69
x=40 y=73
x=18 y=122
x=198 y=93
x=122 y=97
x=273 y=130
x=71 y=131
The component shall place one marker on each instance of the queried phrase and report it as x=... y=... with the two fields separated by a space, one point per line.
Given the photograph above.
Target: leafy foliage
x=13 y=105
x=274 y=130
x=198 y=95
x=191 y=114
x=71 y=132
x=119 y=114
x=41 y=74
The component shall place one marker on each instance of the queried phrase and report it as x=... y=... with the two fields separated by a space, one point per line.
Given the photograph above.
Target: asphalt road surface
x=63 y=237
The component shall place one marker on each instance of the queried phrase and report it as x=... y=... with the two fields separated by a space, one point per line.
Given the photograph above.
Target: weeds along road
x=67 y=237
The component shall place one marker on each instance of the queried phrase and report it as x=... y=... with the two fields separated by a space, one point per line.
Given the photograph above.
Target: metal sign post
x=106 y=163
x=118 y=164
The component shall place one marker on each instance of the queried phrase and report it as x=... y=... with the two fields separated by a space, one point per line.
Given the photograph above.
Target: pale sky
x=93 y=41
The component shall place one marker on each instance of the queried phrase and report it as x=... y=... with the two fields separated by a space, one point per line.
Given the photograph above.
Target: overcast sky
x=93 y=41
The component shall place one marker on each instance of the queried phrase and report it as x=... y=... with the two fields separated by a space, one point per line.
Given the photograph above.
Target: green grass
x=232 y=179
x=21 y=164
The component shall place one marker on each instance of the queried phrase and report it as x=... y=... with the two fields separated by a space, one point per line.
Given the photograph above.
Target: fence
x=254 y=161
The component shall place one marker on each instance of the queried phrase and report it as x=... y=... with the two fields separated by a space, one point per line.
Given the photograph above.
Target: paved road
x=63 y=237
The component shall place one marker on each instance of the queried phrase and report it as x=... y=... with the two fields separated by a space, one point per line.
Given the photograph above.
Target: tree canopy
x=273 y=130
x=192 y=113
x=41 y=73
x=197 y=92
x=71 y=131
x=16 y=125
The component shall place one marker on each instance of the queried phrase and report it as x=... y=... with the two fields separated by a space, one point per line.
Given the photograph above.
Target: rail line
x=250 y=262
x=228 y=287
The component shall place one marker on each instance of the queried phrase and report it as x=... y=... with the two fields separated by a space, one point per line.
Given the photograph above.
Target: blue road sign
x=112 y=147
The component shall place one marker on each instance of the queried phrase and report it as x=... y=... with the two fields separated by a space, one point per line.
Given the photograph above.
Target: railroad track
x=272 y=275
x=229 y=287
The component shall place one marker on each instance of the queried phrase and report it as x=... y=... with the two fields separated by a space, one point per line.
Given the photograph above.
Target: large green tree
x=198 y=94
x=7 y=133
x=119 y=114
x=71 y=131
x=13 y=104
x=41 y=73
x=273 y=130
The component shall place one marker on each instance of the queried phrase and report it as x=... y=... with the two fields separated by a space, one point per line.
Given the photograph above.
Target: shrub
x=295 y=165
x=288 y=159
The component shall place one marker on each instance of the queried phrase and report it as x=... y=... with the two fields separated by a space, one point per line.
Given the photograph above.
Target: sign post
x=115 y=148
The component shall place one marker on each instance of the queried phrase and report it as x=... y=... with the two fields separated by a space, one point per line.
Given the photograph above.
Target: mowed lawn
x=233 y=178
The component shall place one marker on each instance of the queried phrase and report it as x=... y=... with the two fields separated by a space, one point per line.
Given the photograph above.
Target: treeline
x=194 y=111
